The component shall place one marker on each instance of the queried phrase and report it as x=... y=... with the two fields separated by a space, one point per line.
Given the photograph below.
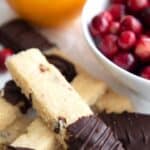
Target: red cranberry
x=108 y=45
x=107 y=15
x=131 y=23
x=127 y=40
x=3 y=56
x=145 y=73
x=117 y=11
x=125 y=61
x=143 y=49
x=137 y=5
x=114 y=27
x=99 y=25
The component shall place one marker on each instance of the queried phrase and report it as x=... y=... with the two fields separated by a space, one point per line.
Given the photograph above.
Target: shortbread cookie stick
x=37 y=137
x=48 y=89
x=113 y=102
x=65 y=66
x=57 y=102
x=57 y=58
x=11 y=133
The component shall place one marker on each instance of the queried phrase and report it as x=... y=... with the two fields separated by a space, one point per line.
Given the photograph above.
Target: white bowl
x=135 y=83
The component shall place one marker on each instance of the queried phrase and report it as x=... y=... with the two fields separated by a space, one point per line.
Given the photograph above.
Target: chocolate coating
x=132 y=129
x=91 y=133
x=17 y=148
x=64 y=66
x=13 y=95
x=19 y=35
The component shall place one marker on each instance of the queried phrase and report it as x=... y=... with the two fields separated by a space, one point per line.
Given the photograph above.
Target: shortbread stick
x=53 y=95
x=88 y=81
x=81 y=87
x=63 y=107
x=113 y=102
x=37 y=137
x=20 y=124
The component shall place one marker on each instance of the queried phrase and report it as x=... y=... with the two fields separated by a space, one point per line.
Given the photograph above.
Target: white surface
x=71 y=40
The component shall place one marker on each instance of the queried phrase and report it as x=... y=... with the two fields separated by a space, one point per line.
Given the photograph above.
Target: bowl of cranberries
x=118 y=32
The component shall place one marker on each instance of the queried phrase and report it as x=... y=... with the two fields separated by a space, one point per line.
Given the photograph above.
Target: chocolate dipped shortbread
x=13 y=95
x=58 y=104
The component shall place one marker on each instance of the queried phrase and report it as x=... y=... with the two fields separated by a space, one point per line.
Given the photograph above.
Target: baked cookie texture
x=55 y=100
x=113 y=102
x=18 y=126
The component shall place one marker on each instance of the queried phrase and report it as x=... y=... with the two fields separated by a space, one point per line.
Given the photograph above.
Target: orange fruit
x=47 y=12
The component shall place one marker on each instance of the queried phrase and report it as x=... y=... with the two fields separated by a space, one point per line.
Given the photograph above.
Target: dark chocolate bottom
x=91 y=133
